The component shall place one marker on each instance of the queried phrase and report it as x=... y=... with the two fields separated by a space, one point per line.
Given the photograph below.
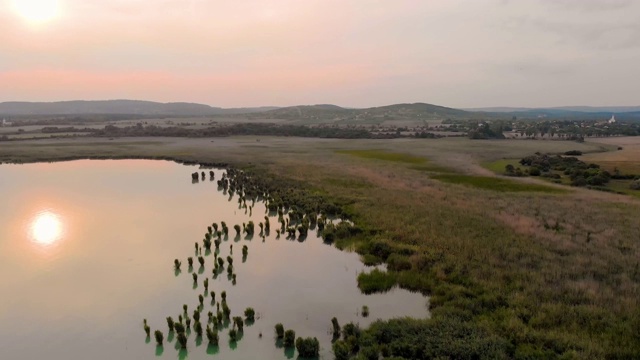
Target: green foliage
x=190 y=261
x=201 y=260
x=159 y=337
x=182 y=340
x=397 y=262
x=212 y=336
x=177 y=264
x=341 y=350
x=365 y=311
x=239 y=323
x=308 y=347
x=289 y=338
x=197 y=327
x=249 y=313
x=233 y=335
x=495 y=184
x=170 y=323
x=279 y=331
x=376 y=281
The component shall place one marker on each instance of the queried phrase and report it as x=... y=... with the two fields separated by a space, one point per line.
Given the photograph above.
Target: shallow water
x=87 y=250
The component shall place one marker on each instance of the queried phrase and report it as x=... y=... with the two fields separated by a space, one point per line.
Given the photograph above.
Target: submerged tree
x=206 y=286
x=177 y=264
x=195 y=278
x=201 y=260
x=197 y=327
x=170 y=323
x=237 y=228
x=147 y=329
x=365 y=311
x=233 y=335
x=237 y=320
x=190 y=261
x=245 y=250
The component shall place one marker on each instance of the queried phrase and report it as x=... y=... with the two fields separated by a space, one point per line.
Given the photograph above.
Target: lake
x=87 y=250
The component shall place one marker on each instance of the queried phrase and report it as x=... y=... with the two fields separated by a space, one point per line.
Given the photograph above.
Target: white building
x=612 y=120
x=6 y=123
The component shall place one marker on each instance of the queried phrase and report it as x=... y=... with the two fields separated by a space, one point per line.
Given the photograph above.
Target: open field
x=538 y=274
x=626 y=160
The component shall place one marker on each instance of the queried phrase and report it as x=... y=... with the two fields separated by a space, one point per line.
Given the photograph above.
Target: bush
x=309 y=347
x=289 y=338
x=341 y=350
x=212 y=336
x=376 y=281
x=336 y=327
x=182 y=340
x=159 y=337
x=397 y=262
x=233 y=335
x=250 y=314
x=365 y=311
x=279 y=331
x=573 y=153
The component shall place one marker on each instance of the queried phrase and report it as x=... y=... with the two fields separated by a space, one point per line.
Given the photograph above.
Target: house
x=612 y=120
x=6 y=123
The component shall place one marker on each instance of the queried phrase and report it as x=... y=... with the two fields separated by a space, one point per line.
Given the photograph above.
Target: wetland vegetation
x=525 y=273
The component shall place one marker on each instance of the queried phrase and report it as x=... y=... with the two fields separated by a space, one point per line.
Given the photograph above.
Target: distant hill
x=414 y=113
x=117 y=107
x=573 y=109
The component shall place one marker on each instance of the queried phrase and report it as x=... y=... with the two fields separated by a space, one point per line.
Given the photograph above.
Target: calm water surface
x=87 y=249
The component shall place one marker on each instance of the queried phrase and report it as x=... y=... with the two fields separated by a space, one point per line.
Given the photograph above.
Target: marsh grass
x=496 y=184
x=384 y=155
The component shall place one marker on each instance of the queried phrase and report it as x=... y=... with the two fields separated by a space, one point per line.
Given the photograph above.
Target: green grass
x=499 y=166
x=496 y=184
x=376 y=281
x=384 y=155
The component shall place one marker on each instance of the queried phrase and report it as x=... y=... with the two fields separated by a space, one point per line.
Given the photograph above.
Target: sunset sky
x=358 y=53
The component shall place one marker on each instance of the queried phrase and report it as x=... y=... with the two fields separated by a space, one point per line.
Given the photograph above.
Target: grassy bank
x=512 y=274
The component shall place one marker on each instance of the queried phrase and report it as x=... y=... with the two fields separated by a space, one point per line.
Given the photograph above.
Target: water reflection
x=46 y=228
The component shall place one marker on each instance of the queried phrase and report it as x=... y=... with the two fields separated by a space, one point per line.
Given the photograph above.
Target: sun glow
x=37 y=11
x=46 y=228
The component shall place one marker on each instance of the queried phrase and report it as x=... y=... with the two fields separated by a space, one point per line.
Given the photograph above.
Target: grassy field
x=514 y=269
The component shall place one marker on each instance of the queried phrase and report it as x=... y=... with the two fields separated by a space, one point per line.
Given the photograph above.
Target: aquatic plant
x=147 y=329
x=225 y=229
x=279 y=331
x=245 y=250
x=177 y=264
x=190 y=261
x=187 y=321
x=179 y=328
x=215 y=227
x=237 y=228
x=249 y=313
x=220 y=262
x=201 y=260
x=195 y=277
x=230 y=260
x=209 y=230
x=225 y=310
x=212 y=336
x=217 y=242
x=309 y=347
x=289 y=338
x=250 y=228
x=159 y=337
x=233 y=334
x=237 y=320
x=196 y=315
x=170 y=323
x=336 y=328
x=206 y=286
x=182 y=340
x=213 y=296
x=234 y=279
x=197 y=327
x=341 y=350
x=224 y=295
x=365 y=311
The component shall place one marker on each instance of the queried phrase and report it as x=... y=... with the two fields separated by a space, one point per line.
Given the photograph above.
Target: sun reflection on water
x=46 y=228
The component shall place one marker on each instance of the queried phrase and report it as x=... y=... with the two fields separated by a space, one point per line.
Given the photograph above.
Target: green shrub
x=250 y=314
x=376 y=281
x=182 y=340
x=341 y=350
x=279 y=331
x=159 y=337
x=233 y=335
x=289 y=338
x=336 y=328
x=170 y=323
x=309 y=347
x=397 y=262
x=212 y=336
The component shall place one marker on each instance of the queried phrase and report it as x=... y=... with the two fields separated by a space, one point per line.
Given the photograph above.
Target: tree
x=212 y=336
x=237 y=228
x=341 y=350
x=336 y=328
x=170 y=323
x=177 y=264
x=182 y=340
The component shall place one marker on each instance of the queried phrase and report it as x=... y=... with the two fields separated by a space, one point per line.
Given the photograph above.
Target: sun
x=46 y=228
x=37 y=11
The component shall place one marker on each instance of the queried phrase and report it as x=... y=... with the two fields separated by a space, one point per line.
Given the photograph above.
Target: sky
x=356 y=53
